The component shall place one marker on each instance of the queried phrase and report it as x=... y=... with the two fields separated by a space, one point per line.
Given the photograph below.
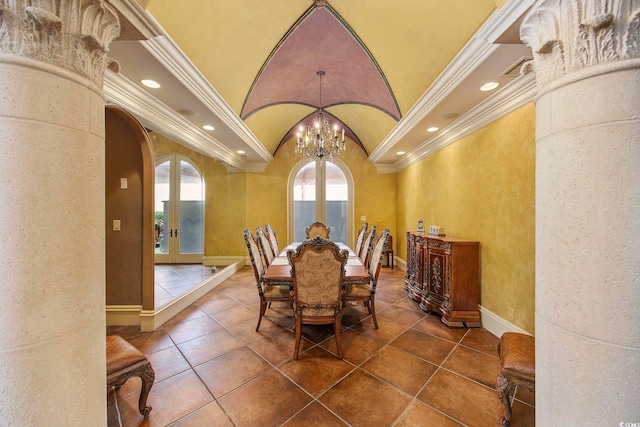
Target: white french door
x=321 y=191
x=179 y=210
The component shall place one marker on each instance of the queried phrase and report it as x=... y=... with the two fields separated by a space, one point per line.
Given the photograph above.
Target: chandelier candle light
x=319 y=140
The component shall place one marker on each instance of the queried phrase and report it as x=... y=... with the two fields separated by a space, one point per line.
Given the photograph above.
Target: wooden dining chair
x=365 y=250
x=317 y=269
x=366 y=292
x=265 y=246
x=267 y=293
x=317 y=229
x=360 y=238
x=271 y=235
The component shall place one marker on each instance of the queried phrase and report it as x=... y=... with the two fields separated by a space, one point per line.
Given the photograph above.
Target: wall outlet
x=363 y=218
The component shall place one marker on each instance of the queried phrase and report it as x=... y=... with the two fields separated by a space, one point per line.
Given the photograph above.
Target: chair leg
x=298 y=336
x=337 y=327
x=263 y=309
x=372 y=310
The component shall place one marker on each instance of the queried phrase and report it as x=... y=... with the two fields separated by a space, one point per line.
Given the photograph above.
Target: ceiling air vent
x=514 y=70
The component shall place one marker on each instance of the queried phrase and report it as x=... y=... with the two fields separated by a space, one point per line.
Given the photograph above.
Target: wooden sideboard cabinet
x=443 y=275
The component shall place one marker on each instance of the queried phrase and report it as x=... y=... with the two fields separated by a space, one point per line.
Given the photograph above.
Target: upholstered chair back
x=317 y=268
x=265 y=246
x=366 y=245
x=317 y=229
x=254 y=255
x=271 y=235
x=379 y=247
x=360 y=238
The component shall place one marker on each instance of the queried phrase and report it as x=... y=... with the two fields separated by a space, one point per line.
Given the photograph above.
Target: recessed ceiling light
x=400 y=153
x=240 y=152
x=150 y=83
x=187 y=113
x=489 y=86
x=432 y=129
x=208 y=127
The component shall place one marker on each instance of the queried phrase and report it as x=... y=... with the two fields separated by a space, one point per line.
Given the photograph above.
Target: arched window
x=321 y=191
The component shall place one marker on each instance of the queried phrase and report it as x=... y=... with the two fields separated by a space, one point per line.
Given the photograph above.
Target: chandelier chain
x=319 y=140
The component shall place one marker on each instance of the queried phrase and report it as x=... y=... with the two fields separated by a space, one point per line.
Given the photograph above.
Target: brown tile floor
x=213 y=369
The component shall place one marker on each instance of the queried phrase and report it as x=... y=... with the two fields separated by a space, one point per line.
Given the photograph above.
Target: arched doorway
x=179 y=210
x=321 y=191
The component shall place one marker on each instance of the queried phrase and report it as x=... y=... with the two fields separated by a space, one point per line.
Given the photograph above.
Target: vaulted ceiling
x=250 y=69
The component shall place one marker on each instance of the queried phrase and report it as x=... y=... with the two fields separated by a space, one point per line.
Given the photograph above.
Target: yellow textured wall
x=374 y=193
x=483 y=188
x=220 y=197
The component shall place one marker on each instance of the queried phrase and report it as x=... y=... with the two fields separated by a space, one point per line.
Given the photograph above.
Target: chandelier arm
x=320 y=140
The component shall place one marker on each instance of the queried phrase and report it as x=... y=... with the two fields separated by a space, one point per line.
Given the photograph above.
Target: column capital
x=571 y=35
x=71 y=34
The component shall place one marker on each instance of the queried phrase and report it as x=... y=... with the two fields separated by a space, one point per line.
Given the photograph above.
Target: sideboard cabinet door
x=450 y=273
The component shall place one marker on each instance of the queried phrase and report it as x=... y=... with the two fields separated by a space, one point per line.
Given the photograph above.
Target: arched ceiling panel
x=381 y=60
x=370 y=125
x=272 y=123
x=228 y=40
x=320 y=41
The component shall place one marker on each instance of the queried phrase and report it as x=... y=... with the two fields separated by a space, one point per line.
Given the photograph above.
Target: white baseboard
x=150 y=320
x=400 y=263
x=125 y=315
x=490 y=321
x=220 y=260
x=497 y=325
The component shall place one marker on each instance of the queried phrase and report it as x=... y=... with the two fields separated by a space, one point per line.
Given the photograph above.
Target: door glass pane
x=191 y=210
x=162 y=188
x=304 y=200
x=337 y=193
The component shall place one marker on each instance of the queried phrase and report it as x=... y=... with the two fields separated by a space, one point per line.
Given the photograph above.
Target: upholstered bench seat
x=125 y=361
x=517 y=367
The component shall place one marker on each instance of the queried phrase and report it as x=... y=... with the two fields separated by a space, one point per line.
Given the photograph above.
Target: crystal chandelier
x=319 y=140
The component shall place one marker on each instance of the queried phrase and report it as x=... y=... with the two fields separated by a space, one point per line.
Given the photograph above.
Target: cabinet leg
x=452 y=324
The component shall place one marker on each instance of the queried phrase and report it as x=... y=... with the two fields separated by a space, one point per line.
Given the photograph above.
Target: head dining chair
x=265 y=246
x=317 y=269
x=366 y=292
x=360 y=237
x=271 y=235
x=317 y=229
x=267 y=294
x=365 y=250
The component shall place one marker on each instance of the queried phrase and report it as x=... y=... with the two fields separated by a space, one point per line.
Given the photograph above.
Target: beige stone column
x=586 y=60
x=52 y=263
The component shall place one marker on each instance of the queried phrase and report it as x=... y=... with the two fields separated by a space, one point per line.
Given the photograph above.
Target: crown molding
x=173 y=59
x=136 y=15
x=516 y=94
x=502 y=19
x=148 y=110
x=385 y=168
x=477 y=50
x=474 y=52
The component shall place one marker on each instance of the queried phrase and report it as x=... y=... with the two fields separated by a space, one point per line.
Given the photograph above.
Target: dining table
x=279 y=271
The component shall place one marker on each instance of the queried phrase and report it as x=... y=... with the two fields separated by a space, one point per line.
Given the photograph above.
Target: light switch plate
x=124 y=183
x=116 y=225
x=363 y=218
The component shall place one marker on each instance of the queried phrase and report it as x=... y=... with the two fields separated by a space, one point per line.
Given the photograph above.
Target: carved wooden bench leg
x=125 y=361
x=517 y=367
